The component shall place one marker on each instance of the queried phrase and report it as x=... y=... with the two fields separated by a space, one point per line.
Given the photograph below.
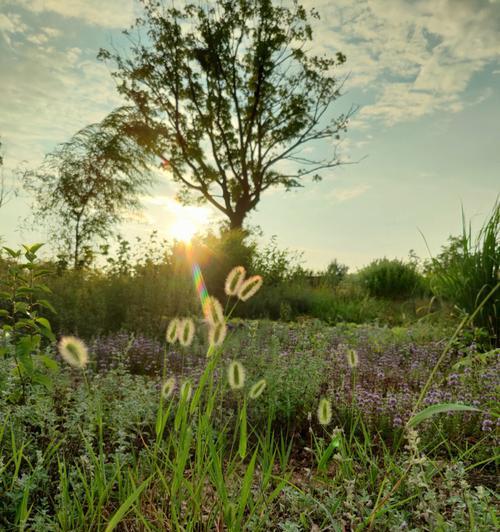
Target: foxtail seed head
x=324 y=411
x=257 y=389
x=352 y=358
x=185 y=332
x=216 y=334
x=234 y=280
x=168 y=388
x=186 y=391
x=250 y=287
x=214 y=312
x=173 y=331
x=73 y=351
x=236 y=375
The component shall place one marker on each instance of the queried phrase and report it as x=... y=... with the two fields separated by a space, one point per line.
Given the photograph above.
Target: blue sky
x=426 y=78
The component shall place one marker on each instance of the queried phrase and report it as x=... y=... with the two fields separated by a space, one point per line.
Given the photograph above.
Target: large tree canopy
x=86 y=184
x=228 y=95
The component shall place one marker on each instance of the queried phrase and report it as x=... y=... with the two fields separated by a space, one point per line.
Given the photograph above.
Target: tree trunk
x=76 y=257
x=236 y=219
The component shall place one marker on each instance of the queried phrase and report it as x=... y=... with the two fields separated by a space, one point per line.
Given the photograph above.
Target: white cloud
x=417 y=57
x=108 y=13
x=11 y=24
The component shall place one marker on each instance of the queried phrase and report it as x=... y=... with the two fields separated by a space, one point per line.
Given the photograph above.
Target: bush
x=392 y=279
x=468 y=270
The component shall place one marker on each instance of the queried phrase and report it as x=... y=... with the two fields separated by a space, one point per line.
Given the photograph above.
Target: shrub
x=392 y=279
x=468 y=270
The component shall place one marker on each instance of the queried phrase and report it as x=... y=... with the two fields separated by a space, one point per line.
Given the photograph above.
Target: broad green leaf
x=42 y=273
x=25 y=290
x=432 y=410
x=35 y=247
x=21 y=306
x=49 y=362
x=48 y=334
x=11 y=252
x=3 y=313
x=42 y=379
x=44 y=322
x=44 y=303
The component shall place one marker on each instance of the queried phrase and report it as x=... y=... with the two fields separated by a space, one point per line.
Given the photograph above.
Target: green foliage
x=392 y=279
x=468 y=270
x=219 y=254
x=22 y=301
x=223 y=92
x=277 y=266
x=85 y=185
x=335 y=273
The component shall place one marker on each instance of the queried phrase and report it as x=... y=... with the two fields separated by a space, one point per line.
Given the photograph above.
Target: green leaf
x=325 y=457
x=44 y=303
x=4 y=313
x=11 y=252
x=125 y=507
x=42 y=273
x=42 y=379
x=432 y=410
x=21 y=306
x=25 y=290
x=246 y=488
x=42 y=288
x=49 y=362
x=48 y=334
x=44 y=322
x=35 y=247
x=242 y=448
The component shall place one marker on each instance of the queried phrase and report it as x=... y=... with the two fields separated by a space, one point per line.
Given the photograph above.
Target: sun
x=187 y=221
x=184 y=230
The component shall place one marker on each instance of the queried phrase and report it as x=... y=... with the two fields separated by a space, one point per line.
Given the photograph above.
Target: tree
x=229 y=96
x=335 y=272
x=86 y=185
x=5 y=192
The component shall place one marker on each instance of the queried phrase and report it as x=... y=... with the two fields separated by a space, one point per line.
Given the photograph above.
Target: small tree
x=228 y=92
x=5 y=192
x=85 y=185
x=335 y=272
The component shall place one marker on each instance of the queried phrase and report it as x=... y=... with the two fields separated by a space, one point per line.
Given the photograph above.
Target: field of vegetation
x=132 y=400
x=210 y=382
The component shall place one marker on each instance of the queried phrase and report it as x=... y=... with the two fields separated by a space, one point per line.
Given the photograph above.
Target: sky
x=425 y=76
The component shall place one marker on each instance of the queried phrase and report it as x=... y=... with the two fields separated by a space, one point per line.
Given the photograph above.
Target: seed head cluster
x=236 y=375
x=234 y=280
x=324 y=412
x=250 y=287
x=257 y=389
x=73 y=351
x=168 y=388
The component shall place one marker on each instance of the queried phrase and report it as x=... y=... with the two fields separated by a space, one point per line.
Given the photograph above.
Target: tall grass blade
x=126 y=506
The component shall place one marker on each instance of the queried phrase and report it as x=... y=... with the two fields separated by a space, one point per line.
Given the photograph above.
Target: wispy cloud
x=10 y=24
x=108 y=13
x=340 y=195
x=417 y=57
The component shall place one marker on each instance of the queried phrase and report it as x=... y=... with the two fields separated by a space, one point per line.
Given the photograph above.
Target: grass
x=111 y=453
x=469 y=270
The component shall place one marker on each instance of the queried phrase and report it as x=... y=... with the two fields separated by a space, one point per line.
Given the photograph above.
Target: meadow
x=346 y=411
